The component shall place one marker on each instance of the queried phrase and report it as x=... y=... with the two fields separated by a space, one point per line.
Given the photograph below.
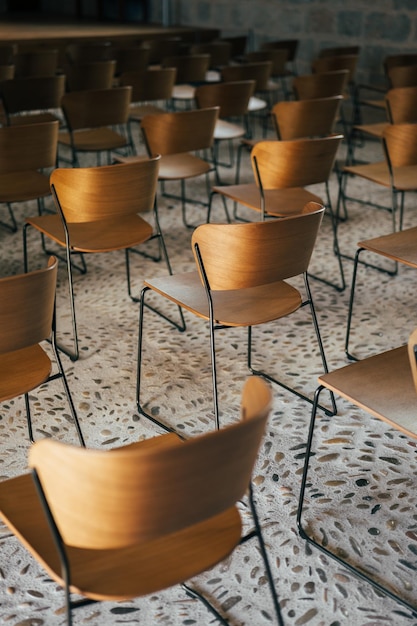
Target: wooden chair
x=383 y=386
x=220 y=52
x=282 y=170
x=191 y=71
x=32 y=99
x=39 y=62
x=151 y=91
x=177 y=136
x=328 y=63
x=322 y=85
x=161 y=527
x=400 y=70
x=279 y=71
x=27 y=318
x=290 y=45
x=133 y=58
x=397 y=172
x=27 y=154
x=91 y=116
x=98 y=211
x=163 y=47
x=399 y=247
x=232 y=98
x=89 y=51
x=240 y=281
x=90 y=75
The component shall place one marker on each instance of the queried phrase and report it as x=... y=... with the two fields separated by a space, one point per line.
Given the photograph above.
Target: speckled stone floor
x=364 y=476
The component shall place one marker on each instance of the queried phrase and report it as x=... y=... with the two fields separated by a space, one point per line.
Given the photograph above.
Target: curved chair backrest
x=119 y=497
x=220 y=52
x=27 y=307
x=240 y=256
x=99 y=193
x=28 y=147
x=232 y=98
x=94 y=108
x=90 y=75
x=191 y=68
x=290 y=45
x=181 y=131
x=36 y=62
x=32 y=93
x=412 y=354
x=321 y=85
x=403 y=75
x=260 y=72
x=295 y=163
x=85 y=51
x=336 y=62
x=401 y=105
x=131 y=58
x=399 y=60
x=277 y=56
x=163 y=47
x=400 y=143
x=306 y=118
x=151 y=84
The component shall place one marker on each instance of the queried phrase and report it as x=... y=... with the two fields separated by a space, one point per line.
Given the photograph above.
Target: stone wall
x=380 y=28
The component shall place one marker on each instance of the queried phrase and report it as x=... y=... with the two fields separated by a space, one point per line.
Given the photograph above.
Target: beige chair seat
x=23 y=370
x=183 y=92
x=228 y=130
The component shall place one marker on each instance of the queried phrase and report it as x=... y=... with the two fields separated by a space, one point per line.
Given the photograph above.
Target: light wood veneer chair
x=151 y=91
x=27 y=154
x=38 y=62
x=90 y=75
x=282 y=171
x=321 y=85
x=191 y=71
x=240 y=281
x=138 y=519
x=32 y=99
x=91 y=118
x=98 y=210
x=27 y=318
x=383 y=386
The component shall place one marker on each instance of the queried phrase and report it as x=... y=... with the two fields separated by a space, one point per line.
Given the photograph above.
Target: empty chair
x=32 y=99
x=88 y=51
x=39 y=62
x=27 y=318
x=132 y=58
x=290 y=45
x=191 y=71
x=260 y=72
x=336 y=62
x=163 y=47
x=322 y=85
x=99 y=211
x=151 y=91
x=177 y=137
x=238 y=46
x=279 y=71
x=27 y=154
x=140 y=509
x=240 y=281
x=384 y=386
x=220 y=52
x=90 y=75
x=91 y=116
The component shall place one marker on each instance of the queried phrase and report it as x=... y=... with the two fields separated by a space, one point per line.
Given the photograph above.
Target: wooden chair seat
x=33 y=118
x=256 y=104
x=399 y=246
x=138 y=111
x=375 y=130
x=182 y=165
x=183 y=92
x=243 y=307
x=405 y=178
x=23 y=370
x=279 y=202
x=95 y=139
x=228 y=130
x=23 y=186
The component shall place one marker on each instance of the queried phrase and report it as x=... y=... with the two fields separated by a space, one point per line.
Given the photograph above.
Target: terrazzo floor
x=365 y=472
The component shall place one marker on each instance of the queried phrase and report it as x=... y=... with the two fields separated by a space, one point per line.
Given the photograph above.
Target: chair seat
x=228 y=130
x=399 y=246
x=378 y=103
x=33 y=118
x=125 y=573
x=405 y=178
x=279 y=202
x=21 y=186
x=23 y=370
x=391 y=369
x=94 y=139
x=256 y=104
x=137 y=112
x=183 y=92
x=102 y=236
x=375 y=130
x=245 y=307
x=184 y=165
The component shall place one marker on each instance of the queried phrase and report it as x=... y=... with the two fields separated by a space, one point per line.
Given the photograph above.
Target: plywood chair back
x=277 y=56
x=36 y=62
x=95 y=108
x=90 y=75
x=294 y=163
x=163 y=47
x=132 y=58
x=191 y=68
x=401 y=104
x=260 y=72
x=306 y=118
x=290 y=45
x=231 y=97
x=32 y=93
x=179 y=132
x=412 y=354
x=240 y=256
x=238 y=45
x=337 y=62
x=220 y=52
x=27 y=308
x=28 y=147
x=399 y=60
x=122 y=497
x=400 y=143
x=403 y=76
x=150 y=84
x=101 y=193
x=321 y=85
